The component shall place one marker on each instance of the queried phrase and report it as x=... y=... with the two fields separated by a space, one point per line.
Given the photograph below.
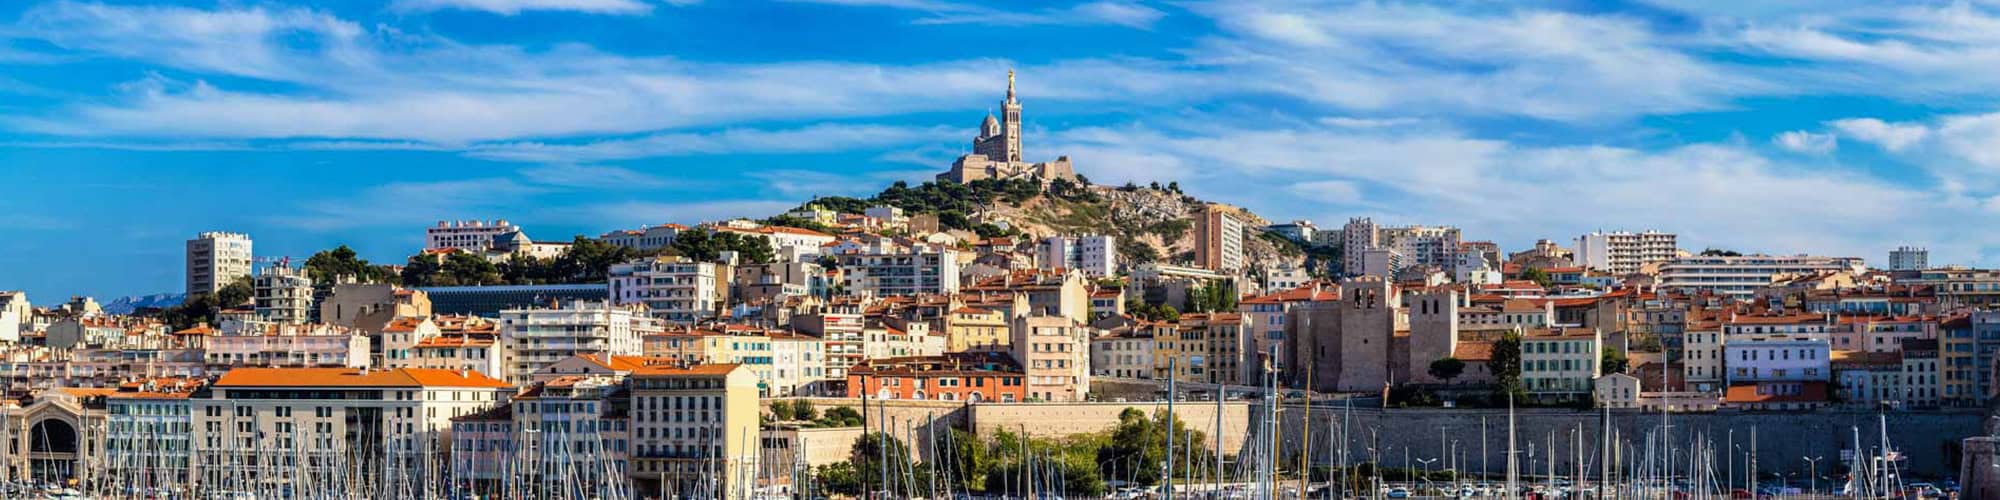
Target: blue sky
x=1778 y=126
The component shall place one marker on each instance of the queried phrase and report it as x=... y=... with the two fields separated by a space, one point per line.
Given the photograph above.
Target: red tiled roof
x=354 y=377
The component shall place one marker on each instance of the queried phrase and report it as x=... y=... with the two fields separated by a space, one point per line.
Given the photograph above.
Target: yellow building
x=968 y=328
x=694 y=429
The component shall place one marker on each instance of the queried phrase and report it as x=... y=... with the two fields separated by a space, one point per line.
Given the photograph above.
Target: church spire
x=1010 y=86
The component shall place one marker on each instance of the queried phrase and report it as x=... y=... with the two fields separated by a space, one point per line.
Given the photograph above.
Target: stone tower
x=1433 y=330
x=1002 y=143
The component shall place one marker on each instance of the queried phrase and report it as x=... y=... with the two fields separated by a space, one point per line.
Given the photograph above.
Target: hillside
x=1152 y=223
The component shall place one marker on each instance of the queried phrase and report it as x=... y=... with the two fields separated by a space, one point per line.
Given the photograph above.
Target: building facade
x=1623 y=252
x=215 y=258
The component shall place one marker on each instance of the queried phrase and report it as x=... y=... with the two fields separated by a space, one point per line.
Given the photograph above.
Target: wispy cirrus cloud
x=820 y=138
x=514 y=7
x=1801 y=141
x=1126 y=13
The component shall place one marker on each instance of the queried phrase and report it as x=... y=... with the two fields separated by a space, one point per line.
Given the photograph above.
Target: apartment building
x=1434 y=246
x=215 y=258
x=1759 y=358
x=147 y=433
x=1125 y=353
x=533 y=338
x=1560 y=363
x=305 y=422
x=694 y=427
x=470 y=235
x=1218 y=241
x=1054 y=352
x=1909 y=258
x=672 y=288
x=283 y=295
x=571 y=430
x=1094 y=255
x=1624 y=252
x=1742 y=276
x=972 y=377
x=912 y=272
x=645 y=237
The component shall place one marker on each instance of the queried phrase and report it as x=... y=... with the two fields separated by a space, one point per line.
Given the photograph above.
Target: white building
x=214 y=259
x=302 y=423
x=534 y=338
x=1436 y=246
x=1127 y=355
x=1909 y=258
x=1624 y=252
x=674 y=288
x=1301 y=230
x=470 y=235
x=1744 y=275
x=1776 y=358
x=645 y=237
x=916 y=272
x=1383 y=262
x=302 y=347
x=283 y=295
x=1285 y=277
x=1095 y=255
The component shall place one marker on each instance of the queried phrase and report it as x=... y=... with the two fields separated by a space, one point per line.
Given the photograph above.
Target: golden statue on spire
x=1010 y=84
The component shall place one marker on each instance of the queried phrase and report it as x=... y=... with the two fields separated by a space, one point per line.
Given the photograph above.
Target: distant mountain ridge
x=126 y=305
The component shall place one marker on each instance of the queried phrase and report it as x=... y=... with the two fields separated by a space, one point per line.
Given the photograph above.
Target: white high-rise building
x=472 y=235
x=1094 y=255
x=215 y=258
x=283 y=295
x=1624 y=252
x=534 y=338
x=1908 y=258
x=674 y=288
x=1435 y=246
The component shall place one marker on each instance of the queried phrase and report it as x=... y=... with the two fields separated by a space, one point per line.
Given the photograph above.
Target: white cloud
x=406 y=204
x=813 y=139
x=1113 y=12
x=513 y=7
x=1894 y=137
x=591 y=176
x=1800 y=141
x=1402 y=57
x=1366 y=123
x=1348 y=192
x=1973 y=138
x=633 y=213
x=1712 y=194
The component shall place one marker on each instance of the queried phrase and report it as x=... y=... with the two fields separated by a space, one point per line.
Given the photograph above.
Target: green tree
x=1613 y=360
x=1447 y=368
x=782 y=410
x=1137 y=446
x=1537 y=275
x=970 y=459
x=328 y=266
x=803 y=410
x=840 y=478
x=839 y=416
x=875 y=451
x=1506 y=364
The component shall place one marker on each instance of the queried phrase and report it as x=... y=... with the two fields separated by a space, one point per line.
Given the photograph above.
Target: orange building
x=959 y=376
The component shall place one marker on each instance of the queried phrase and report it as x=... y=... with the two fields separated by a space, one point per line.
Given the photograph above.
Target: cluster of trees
x=803 y=411
x=1011 y=464
x=950 y=201
x=1537 y=275
x=1138 y=308
x=1218 y=296
x=586 y=260
x=202 y=307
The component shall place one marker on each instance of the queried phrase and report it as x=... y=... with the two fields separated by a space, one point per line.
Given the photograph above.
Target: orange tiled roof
x=354 y=377
x=667 y=369
x=1747 y=393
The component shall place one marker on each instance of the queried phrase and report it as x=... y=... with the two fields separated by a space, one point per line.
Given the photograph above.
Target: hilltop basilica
x=996 y=153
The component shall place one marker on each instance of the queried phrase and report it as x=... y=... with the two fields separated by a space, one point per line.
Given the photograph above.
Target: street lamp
x=1427 y=471
x=1812 y=474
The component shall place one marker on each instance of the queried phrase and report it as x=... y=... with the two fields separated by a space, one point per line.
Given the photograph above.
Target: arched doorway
x=52 y=451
